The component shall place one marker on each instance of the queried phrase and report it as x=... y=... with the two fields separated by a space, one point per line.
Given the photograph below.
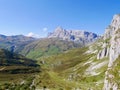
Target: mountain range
x=78 y=36
x=18 y=41
x=58 y=41
x=68 y=60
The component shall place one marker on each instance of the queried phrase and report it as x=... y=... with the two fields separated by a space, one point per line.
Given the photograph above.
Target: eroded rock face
x=113 y=27
x=79 y=36
x=103 y=53
x=113 y=33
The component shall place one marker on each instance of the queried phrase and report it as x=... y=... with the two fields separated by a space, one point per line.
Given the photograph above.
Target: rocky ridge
x=114 y=35
x=111 y=49
x=79 y=36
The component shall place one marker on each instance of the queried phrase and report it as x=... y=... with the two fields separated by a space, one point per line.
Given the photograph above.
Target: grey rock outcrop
x=78 y=36
x=112 y=33
x=103 y=53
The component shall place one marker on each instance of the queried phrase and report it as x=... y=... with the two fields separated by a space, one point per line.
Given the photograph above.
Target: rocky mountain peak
x=59 y=29
x=79 y=36
x=58 y=33
x=116 y=21
x=113 y=27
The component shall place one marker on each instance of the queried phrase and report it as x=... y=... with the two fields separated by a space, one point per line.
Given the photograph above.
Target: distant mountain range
x=58 y=41
x=83 y=37
x=18 y=41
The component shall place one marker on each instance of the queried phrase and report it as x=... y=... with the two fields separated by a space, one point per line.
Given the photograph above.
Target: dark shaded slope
x=15 y=63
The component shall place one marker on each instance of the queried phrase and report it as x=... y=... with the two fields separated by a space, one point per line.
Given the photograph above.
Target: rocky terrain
x=112 y=73
x=111 y=49
x=78 y=36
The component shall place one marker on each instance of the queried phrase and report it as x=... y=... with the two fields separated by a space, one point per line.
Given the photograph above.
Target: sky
x=38 y=17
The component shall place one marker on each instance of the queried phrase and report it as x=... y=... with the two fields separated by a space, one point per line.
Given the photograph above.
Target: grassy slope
x=15 y=69
x=17 y=65
x=47 y=47
x=116 y=72
x=8 y=58
x=70 y=70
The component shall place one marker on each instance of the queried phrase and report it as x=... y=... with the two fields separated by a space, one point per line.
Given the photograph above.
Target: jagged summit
x=59 y=29
x=80 y=36
x=115 y=25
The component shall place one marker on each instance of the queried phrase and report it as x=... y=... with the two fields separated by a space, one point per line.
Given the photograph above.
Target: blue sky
x=42 y=16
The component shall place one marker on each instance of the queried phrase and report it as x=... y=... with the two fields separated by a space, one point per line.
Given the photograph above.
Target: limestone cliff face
x=113 y=35
x=78 y=36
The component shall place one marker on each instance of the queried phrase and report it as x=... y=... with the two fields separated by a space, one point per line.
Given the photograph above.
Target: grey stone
x=78 y=36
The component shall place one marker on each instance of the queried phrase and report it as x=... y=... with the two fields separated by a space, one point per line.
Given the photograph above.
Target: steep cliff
x=112 y=46
x=78 y=36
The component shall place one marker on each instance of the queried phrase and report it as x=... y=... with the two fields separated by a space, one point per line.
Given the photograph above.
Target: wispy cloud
x=43 y=33
x=31 y=34
x=45 y=29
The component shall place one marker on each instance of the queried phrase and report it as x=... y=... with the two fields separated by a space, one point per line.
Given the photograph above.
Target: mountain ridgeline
x=78 y=36
x=57 y=42
x=17 y=41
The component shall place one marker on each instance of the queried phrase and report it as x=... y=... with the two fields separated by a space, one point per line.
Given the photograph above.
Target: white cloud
x=31 y=34
x=45 y=29
x=42 y=34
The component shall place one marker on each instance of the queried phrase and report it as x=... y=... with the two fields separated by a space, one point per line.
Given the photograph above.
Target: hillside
x=74 y=69
x=47 y=47
x=16 y=69
x=10 y=59
x=16 y=41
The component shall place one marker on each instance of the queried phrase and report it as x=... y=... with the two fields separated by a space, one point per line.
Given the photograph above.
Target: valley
x=65 y=60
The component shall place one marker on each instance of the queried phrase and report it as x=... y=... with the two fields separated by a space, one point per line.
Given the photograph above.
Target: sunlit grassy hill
x=47 y=47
